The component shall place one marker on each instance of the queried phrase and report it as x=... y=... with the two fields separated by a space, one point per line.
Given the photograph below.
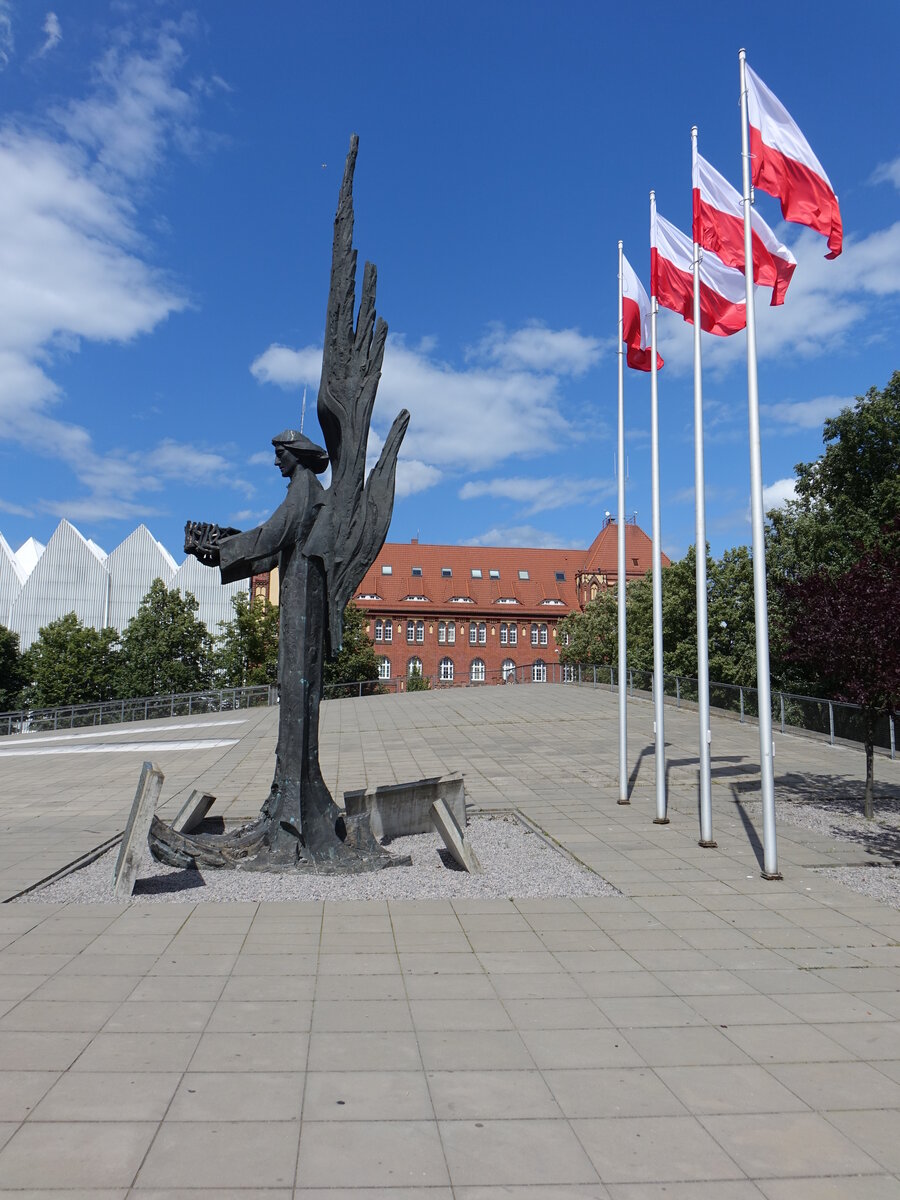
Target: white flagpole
x=620 y=465
x=706 y=834
x=760 y=602
x=661 y=817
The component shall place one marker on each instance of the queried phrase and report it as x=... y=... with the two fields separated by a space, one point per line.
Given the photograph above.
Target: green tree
x=11 y=673
x=165 y=647
x=847 y=499
x=417 y=682
x=247 y=648
x=356 y=659
x=70 y=664
x=590 y=637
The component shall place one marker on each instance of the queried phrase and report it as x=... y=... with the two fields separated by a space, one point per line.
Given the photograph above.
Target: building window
x=388 y=631
x=543 y=635
x=523 y=574
x=447 y=572
x=451 y=632
x=414 y=666
x=442 y=632
x=513 y=634
x=473 y=633
x=379 y=630
x=534 y=634
x=417 y=571
x=482 y=633
x=385 y=570
x=476 y=573
x=420 y=632
x=504 y=633
x=560 y=577
x=568 y=673
x=384 y=668
x=410 y=631
x=539 y=671
x=476 y=671
x=446 y=670
x=508 y=669
x=494 y=574
x=507 y=600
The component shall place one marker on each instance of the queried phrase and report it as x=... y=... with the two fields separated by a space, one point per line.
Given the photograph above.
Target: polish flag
x=723 y=295
x=719 y=226
x=636 y=321
x=784 y=165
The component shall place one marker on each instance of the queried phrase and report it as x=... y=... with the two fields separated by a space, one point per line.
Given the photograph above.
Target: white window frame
x=442 y=633
x=420 y=632
x=543 y=634
x=539 y=671
x=388 y=631
x=482 y=633
x=414 y=664
x=384 y=668
x=508 y=669
x=379 y=630
x=535 y=633
x=446 y=670
x=451 y=633
x=504 y=634
x=513 y=634
x=473 y=633
x=477 y=671
x=410 y=632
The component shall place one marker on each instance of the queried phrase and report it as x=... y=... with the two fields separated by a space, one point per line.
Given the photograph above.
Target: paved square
x=704 y=1035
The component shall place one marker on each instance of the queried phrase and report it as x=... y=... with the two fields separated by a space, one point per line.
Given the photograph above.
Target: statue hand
x=202 y=539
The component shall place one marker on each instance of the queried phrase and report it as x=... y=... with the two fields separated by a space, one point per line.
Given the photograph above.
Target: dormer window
x=523 y=574
x=476 y=573
x=386 y=570
x=417 y=571
x=446 y=572
x=560 y=577
x=494 y=574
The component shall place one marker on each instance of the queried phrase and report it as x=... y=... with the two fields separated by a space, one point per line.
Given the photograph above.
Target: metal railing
x=144 y=708
x=832 y=720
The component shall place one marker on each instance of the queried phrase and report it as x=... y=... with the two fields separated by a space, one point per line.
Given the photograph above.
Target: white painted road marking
x=110 y=731
x=121 y=748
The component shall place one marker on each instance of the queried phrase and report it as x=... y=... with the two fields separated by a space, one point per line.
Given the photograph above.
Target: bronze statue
x=323 y=541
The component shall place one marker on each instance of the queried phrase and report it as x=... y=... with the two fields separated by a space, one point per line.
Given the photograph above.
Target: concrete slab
x=401 y=809
x=134 y=840
x=452 y=836
x=193 y=811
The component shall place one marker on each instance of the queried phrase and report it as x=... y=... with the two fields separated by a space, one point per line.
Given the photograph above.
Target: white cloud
x=514 y=411
x=53 y=34
x=540 y=495
x=287 y=368
x=777 y=494
x=74 y=263
x=805 y=414
x=887 y=172
x=17 y=510
x=537 y=348
x=828 y=304
x=522 y=535
x=415 y=476
x=7 y=40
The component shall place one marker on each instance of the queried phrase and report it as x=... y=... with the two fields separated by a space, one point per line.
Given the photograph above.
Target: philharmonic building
x=473 y=614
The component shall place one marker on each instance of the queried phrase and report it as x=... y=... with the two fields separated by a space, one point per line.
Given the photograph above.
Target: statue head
x=293 y=447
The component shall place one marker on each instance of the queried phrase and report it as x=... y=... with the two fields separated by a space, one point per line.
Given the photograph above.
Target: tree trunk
x=868 y=805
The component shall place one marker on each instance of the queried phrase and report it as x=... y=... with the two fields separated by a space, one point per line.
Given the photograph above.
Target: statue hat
x=306 y=451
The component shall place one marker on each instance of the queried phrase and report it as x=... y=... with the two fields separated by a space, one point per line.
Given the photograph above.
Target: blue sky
x=168 y=179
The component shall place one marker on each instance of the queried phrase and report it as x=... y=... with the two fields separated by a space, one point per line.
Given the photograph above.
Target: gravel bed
x=517 y=864
x=879 y=883
x=842 y=819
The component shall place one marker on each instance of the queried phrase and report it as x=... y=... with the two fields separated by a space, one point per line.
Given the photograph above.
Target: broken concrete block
x=193 y=811
x=134 y=840
x=400 y=809
x=445 y=823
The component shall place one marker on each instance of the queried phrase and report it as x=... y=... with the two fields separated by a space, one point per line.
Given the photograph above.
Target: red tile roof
x=458 y=593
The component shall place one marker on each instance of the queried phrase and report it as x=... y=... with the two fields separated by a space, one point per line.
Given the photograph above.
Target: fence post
x=781 y=698
x=595 y=674
x=631 y=681
x=360 y=689
x=831 y=721
x=741 y=690
x=893 y=743
x=677 y=692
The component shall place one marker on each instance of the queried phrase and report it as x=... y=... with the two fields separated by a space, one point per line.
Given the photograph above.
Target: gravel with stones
x=879 y=883
x=843 y=820
x=517 y=863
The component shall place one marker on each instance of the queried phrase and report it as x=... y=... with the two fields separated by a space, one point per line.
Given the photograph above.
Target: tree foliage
x=847 y=499
x=417 y=682
x=165 y=647
x=356 y=659
x=70 y=663
x=844 y=628
x=590 y=637
x=12 y=676
x=247 y=648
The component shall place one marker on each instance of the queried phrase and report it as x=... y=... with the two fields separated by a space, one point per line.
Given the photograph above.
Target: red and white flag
x=784 y=165
x=719 y=226
x=723 y=294
x=636 y=321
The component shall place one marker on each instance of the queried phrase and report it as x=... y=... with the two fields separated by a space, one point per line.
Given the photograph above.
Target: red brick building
x=472 y=614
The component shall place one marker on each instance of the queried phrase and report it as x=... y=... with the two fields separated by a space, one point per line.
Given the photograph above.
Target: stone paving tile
x=613 y=1092
x=85 y=1154
x=213 y=1155
x=373 y=1154
x=537 y=1152
x=785 y=1144
x=864 y=1187
x=653 y=1149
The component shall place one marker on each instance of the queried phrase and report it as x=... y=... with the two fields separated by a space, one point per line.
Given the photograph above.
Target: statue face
x=286 y=461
